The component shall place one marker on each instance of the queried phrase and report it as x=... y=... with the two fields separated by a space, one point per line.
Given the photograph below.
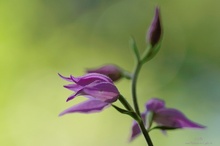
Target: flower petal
x=89 y=106
x=155 y=104
x=79 y=92
x=66 y=78
x=174 y=118
x=135 y=130
x=73 y=87
x=103 y=91
x=89 y=78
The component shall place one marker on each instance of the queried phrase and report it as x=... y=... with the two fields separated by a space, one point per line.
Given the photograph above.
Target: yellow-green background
x=39 y=38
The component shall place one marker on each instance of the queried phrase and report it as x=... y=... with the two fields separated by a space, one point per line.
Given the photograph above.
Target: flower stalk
x=135 y=102
x=145 y=133
x=101 y=92
x=134 y=86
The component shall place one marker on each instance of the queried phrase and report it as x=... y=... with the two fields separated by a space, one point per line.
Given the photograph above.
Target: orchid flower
x=98 y=88
x=165 y=118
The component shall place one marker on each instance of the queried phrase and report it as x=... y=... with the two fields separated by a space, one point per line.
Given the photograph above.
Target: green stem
x=145 y=133
x=133 y=87
x=135 y=102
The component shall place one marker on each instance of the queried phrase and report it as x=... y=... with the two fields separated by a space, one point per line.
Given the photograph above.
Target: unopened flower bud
x=155 y=30
x=112 y=71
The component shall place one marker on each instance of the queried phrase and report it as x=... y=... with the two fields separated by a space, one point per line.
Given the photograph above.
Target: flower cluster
x=98 y=87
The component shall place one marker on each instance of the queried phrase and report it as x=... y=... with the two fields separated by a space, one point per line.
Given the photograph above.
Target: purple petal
x=135 y=130
x=174 y=118
x=79 y=92
x=89 y=78
x=73 y=87
x=103 y=91
x=155 y=104
x=69 y=79
x=89 y=106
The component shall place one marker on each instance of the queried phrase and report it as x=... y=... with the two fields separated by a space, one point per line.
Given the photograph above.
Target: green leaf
x=135 y=49
x=130 y=113
x=125 y=103
x=150 y=52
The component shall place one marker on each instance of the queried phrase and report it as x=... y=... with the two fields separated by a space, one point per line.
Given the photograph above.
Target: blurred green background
x=39 y=38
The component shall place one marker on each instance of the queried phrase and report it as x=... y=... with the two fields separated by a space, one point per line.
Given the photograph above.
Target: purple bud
x=154 y=31
x=112 y=71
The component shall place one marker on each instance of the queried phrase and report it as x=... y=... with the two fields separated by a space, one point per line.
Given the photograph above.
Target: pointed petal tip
x=198 y=126
x=130 y=139
x=68 y=99
x=61 y=114
x=60 y=75
x=65 y=78
x=71 y=97
x=157 y=8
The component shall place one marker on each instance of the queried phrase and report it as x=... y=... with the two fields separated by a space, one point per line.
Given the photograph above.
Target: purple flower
x=155 y=30
x=98 y=88
x=112 y=71
x=166 y=117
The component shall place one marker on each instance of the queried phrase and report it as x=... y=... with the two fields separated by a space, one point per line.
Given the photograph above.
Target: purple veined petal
x=98 y=76
x=89 y=106
x=91 y=77
x=155 y=104
x=66 y=78
x=103 y=91
x=79 y=92
x=174 y=118
x=73 y=87
x=135 y=130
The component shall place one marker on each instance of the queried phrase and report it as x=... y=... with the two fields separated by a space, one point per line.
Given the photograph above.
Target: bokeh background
x=39 y=38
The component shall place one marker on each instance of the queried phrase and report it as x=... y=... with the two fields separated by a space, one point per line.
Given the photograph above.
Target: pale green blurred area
x=39 y=38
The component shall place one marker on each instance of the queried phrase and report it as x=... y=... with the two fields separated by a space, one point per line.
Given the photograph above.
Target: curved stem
x=133 y=87
x=135 y=102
